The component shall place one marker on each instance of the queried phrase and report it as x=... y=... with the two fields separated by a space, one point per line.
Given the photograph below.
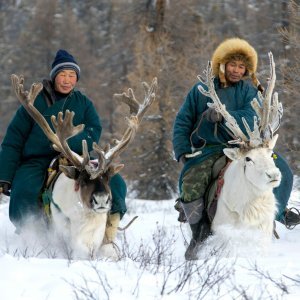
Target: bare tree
x=160 y=50
x=290 y=143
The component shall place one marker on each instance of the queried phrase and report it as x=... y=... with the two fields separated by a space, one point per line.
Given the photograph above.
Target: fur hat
x=236 y=49
x=64 y=60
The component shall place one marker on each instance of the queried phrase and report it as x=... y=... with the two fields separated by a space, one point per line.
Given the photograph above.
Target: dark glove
x=5 y=188
x=183 y=159
x=212 y=116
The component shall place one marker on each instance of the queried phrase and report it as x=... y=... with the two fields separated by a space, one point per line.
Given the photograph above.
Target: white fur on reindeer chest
x=86 y=226
x=247 y=196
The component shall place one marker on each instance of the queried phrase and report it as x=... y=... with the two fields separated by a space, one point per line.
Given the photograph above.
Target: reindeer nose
x=274 y=175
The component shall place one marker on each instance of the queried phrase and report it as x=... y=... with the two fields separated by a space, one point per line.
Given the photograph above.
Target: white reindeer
x=81 y=194
x=247 y=199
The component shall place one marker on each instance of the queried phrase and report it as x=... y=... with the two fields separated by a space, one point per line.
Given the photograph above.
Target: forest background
x=118 y=44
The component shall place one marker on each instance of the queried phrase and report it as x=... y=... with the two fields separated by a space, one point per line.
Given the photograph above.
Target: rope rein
x=124 y=228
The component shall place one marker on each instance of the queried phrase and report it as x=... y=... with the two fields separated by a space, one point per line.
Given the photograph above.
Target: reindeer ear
x=114 y=169
x=232 y=153
x=69 y=171
x=272 y=142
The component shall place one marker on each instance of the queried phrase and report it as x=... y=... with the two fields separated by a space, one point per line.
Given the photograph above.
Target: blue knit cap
x=64 y=60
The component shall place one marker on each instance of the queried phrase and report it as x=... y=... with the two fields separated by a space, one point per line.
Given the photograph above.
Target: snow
x=33 y=266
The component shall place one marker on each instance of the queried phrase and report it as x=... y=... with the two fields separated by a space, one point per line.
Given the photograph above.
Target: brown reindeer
x=81 y=194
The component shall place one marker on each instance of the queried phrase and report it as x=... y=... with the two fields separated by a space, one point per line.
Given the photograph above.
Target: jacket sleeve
x=185 y=121
x=92 y=130
x=13 y=143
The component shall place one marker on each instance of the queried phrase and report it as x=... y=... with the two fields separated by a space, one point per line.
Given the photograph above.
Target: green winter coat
x=26 y=152
x=212 y=138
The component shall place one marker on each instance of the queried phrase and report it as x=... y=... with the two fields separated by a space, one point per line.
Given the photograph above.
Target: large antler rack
x=269 y=113
x=64 y=128
x=107 y=155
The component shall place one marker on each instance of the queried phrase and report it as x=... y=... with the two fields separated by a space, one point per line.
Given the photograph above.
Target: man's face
x=65 y=81
x=235 y=70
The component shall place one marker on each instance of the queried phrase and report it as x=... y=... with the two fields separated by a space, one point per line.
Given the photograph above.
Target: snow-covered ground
x=152 y=264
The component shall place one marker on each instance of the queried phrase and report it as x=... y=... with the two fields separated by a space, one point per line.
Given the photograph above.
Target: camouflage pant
x=196 y=180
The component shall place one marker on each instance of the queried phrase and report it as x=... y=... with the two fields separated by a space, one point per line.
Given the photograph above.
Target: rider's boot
x=111 y=230
x=199 y=224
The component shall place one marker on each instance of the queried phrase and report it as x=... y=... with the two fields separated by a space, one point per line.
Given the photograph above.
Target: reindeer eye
x=248 y=158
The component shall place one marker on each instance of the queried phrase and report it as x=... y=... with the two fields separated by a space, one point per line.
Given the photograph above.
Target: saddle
x=52 y=174
x=213 y=190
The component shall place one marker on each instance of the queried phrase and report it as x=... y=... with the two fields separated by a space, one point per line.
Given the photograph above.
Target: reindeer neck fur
x=232 y=191
x=67 y=198
x=242 y=188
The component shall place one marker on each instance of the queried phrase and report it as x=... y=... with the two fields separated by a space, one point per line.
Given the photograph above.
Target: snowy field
x=152 y=264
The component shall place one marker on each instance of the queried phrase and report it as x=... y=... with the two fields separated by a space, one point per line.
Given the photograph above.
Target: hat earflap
x=222 y=74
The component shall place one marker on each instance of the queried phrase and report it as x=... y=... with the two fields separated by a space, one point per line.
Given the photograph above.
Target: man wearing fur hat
x=26 y=152
x=199 y=136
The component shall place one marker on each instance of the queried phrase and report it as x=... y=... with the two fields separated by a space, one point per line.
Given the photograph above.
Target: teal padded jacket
x=210 y=138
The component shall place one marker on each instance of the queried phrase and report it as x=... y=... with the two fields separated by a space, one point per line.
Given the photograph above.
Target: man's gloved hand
x=183 y=159
x=4 y=188
x=212 y=116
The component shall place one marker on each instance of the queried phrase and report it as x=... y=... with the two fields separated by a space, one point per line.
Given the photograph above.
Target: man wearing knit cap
x=26 y=152
x=199 y=136
x=64 y=61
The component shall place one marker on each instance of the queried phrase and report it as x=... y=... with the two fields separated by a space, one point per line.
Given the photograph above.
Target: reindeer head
x=94 y=194
x=91 y=177
x=257 y=165
x=255 y=152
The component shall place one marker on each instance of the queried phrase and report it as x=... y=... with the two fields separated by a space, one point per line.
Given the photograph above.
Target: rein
x=124 y=228
x=196 y=131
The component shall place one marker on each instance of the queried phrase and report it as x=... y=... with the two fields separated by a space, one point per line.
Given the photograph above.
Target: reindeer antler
x=64 y=128
x=269 y=113
x=137 y=112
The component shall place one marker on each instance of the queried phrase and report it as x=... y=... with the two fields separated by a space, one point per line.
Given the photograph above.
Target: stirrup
x=291 y=224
